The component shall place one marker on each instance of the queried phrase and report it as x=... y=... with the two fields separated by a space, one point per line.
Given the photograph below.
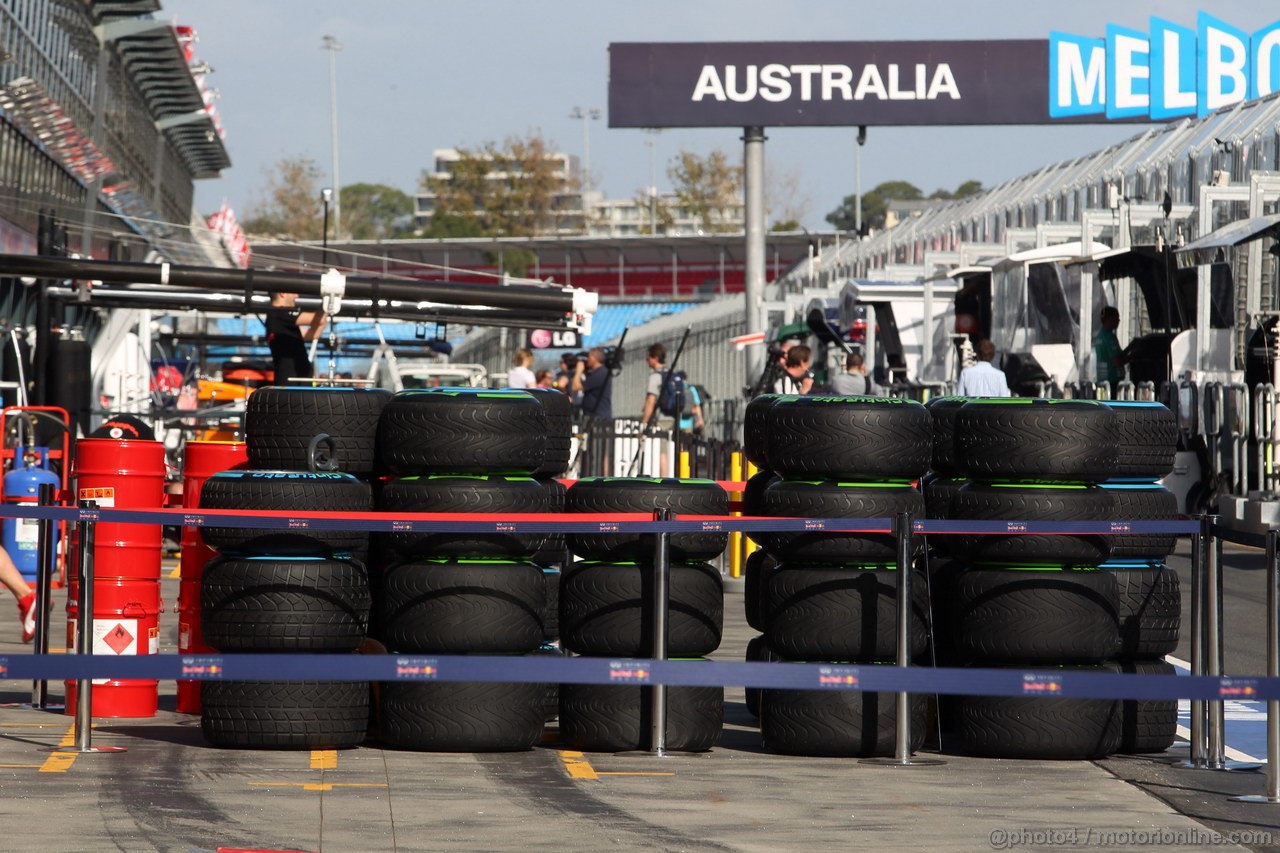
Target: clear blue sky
x=416 y=75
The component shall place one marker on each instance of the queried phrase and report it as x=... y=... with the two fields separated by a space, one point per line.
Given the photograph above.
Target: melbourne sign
x=1126 y=76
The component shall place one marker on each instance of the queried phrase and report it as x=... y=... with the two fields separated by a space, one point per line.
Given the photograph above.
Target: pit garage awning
x=1233 y=234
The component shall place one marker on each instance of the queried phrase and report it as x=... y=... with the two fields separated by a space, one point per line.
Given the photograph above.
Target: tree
x=708 y=188
x=657 y=214
x=876 y=202
x=786 y=198
x=507 y=190
x=292 y=209
x=376 y=212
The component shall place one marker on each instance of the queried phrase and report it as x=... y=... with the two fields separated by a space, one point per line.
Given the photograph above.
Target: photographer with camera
x=796 y=377
x=564 y=376
x=591 y=379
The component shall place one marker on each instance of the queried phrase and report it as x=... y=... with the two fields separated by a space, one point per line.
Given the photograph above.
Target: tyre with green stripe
x=847 y=613
x=614 y=495
x=460 y=493
x=455 y=607
x=832 y=499
x=1147 y=436
x=1035 y=615
x=1142 y=502
x=1023 y=439
x=846 y=723
x=462 y=716
x=462 y=431
x=280 y=423
x=618 y=717
x=605 y=609
x=849 y=438
x=1024 y=502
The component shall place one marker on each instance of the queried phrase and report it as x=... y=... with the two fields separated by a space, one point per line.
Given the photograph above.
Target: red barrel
x=201 y=460
x=122 y=475
x=126 y=621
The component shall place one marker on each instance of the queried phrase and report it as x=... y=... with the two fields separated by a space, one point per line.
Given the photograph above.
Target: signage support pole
x=753 y=189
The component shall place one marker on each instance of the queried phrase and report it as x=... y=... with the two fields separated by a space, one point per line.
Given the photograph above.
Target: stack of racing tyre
x=303 y=589
x=827 y=596
x=1036 y=602
x=1149 y=599
x=606 y=610
x=449 y=591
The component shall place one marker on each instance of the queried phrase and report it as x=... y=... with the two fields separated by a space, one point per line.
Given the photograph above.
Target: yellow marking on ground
x=31 y=725
x=631 y=773
x=320 y=786
x=23 y=766
x=576 y=764
x=324 y=759
x=177 y=572
x=60 y=762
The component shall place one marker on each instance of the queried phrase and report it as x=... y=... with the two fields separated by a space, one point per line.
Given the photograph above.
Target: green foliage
x=376 y=212
x=708 y=188
x=291 y=208
x=876 y=202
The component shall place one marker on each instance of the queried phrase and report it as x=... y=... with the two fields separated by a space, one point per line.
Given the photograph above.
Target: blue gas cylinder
x=22 y=487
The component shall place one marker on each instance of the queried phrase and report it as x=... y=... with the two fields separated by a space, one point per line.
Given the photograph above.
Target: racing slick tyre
x=755 y=430
x=605 y=609
x=1147 y=435
x=284 y=714
x=462 y=716
x=280 y=423
x=1149 y=603
x=850 y=723
x=755 y=580
x=850 y=438
x=617 y=717
x=1142 y=502
x=944 y=411
x=1019 y=502
x=1021 y=439
x=299 y=491
x=1039 y=727
x=829 y=499
x=1031 y=616
x=558 y=410
x=841 y=613
x=612 y=495
x=267 y=604
x=1148 y=725
x=461 y=607
x=462 y=431
x=464 y=494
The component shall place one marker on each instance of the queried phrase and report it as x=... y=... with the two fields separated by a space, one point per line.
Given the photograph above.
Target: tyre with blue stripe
x=1012 y=439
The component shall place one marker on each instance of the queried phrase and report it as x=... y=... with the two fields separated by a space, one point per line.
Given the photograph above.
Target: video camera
x=612 y=359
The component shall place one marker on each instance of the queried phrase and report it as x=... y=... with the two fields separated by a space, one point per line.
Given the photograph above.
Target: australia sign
x=1125 y=76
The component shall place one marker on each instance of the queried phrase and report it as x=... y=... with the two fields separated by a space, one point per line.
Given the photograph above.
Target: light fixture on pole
x=857 y=179
x=588 y=115
x=331 y=44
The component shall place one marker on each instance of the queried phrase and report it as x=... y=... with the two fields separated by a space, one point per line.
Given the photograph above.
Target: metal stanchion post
x=1272 y=794
x=661 y=604
x=906 y=558
x=1213 y=647
x=84 y=641
x=44 y=583
x=1199 y=747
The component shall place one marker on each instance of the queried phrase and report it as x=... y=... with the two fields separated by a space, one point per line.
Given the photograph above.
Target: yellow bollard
x=735 y=538
x=685 y=471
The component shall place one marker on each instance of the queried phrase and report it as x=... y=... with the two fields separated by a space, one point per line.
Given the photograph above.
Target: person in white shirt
x=796 y=377
x=521 y=375
x=983 y=379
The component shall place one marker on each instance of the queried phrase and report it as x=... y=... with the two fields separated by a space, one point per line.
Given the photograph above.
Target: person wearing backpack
x=662 y=391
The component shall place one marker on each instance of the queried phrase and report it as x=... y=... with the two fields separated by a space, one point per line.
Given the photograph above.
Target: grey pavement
x=170 y=792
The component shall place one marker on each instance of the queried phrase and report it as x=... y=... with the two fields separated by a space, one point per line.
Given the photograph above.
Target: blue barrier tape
x=1048 y=682
x=563 y=523
x=1239 y=537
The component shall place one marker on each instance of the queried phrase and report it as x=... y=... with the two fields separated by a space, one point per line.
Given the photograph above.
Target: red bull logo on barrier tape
x=838 y=677
x=417 y=669
x=1237 y=689
x=1033 y=683
x=202 y=668
x=628 y=672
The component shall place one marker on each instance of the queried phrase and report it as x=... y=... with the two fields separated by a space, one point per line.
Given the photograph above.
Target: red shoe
x=27 y=613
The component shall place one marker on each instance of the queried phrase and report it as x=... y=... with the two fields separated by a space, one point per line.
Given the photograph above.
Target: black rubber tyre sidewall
x=284 y=714
x=462 y=716
x=280 y=423
x=462 y=431
x=829 y=499
x=616 y=717
x=464 y=494
x=986 y=502
x=809 y=437
x=1043 y=440
x=1147 y=436
x=944 y=411
x=852 y=723
x=1149 y=603
x=611 y=495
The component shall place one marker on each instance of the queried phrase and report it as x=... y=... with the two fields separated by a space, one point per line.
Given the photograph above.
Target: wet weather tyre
x=1038 y=727
x=850 y=723
x=617 y=717
x=605 y=609
x=1039 y=616
x=1147 y=437
x=551 y=604
x=938 y=493
x=1143 y=502
x=758 y=651
x=462 y=716
x=459 y=431
x=1149 y=604
x=755 y=430
x=841 y=613
x=612 y=495
x=299 y=491
x=280 y=423
x=827 y=499
x=755 y=580
x=984 y=502
x=558 y=411
x=1148 y=725
x=552 y=552
x=860 y=438
x=753 y=492
x=284 y=714
x=944 y=411
x=455 y=608
x=269 y=605
x=1025 y=439
x=460 y=494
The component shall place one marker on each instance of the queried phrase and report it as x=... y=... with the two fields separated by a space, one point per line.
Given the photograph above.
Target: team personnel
x=286 y=338
x=983 y=379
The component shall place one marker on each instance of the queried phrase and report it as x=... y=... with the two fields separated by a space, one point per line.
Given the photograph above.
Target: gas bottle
x=22 y=487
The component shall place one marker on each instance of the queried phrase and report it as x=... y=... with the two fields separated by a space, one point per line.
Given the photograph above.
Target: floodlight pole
x=331 y=44
x=753 y=139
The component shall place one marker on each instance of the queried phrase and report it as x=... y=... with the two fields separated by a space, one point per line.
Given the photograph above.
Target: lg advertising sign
x=1126 y=76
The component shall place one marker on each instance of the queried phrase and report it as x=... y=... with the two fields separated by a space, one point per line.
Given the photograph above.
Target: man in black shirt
x=591 y=379
x=286 y=338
